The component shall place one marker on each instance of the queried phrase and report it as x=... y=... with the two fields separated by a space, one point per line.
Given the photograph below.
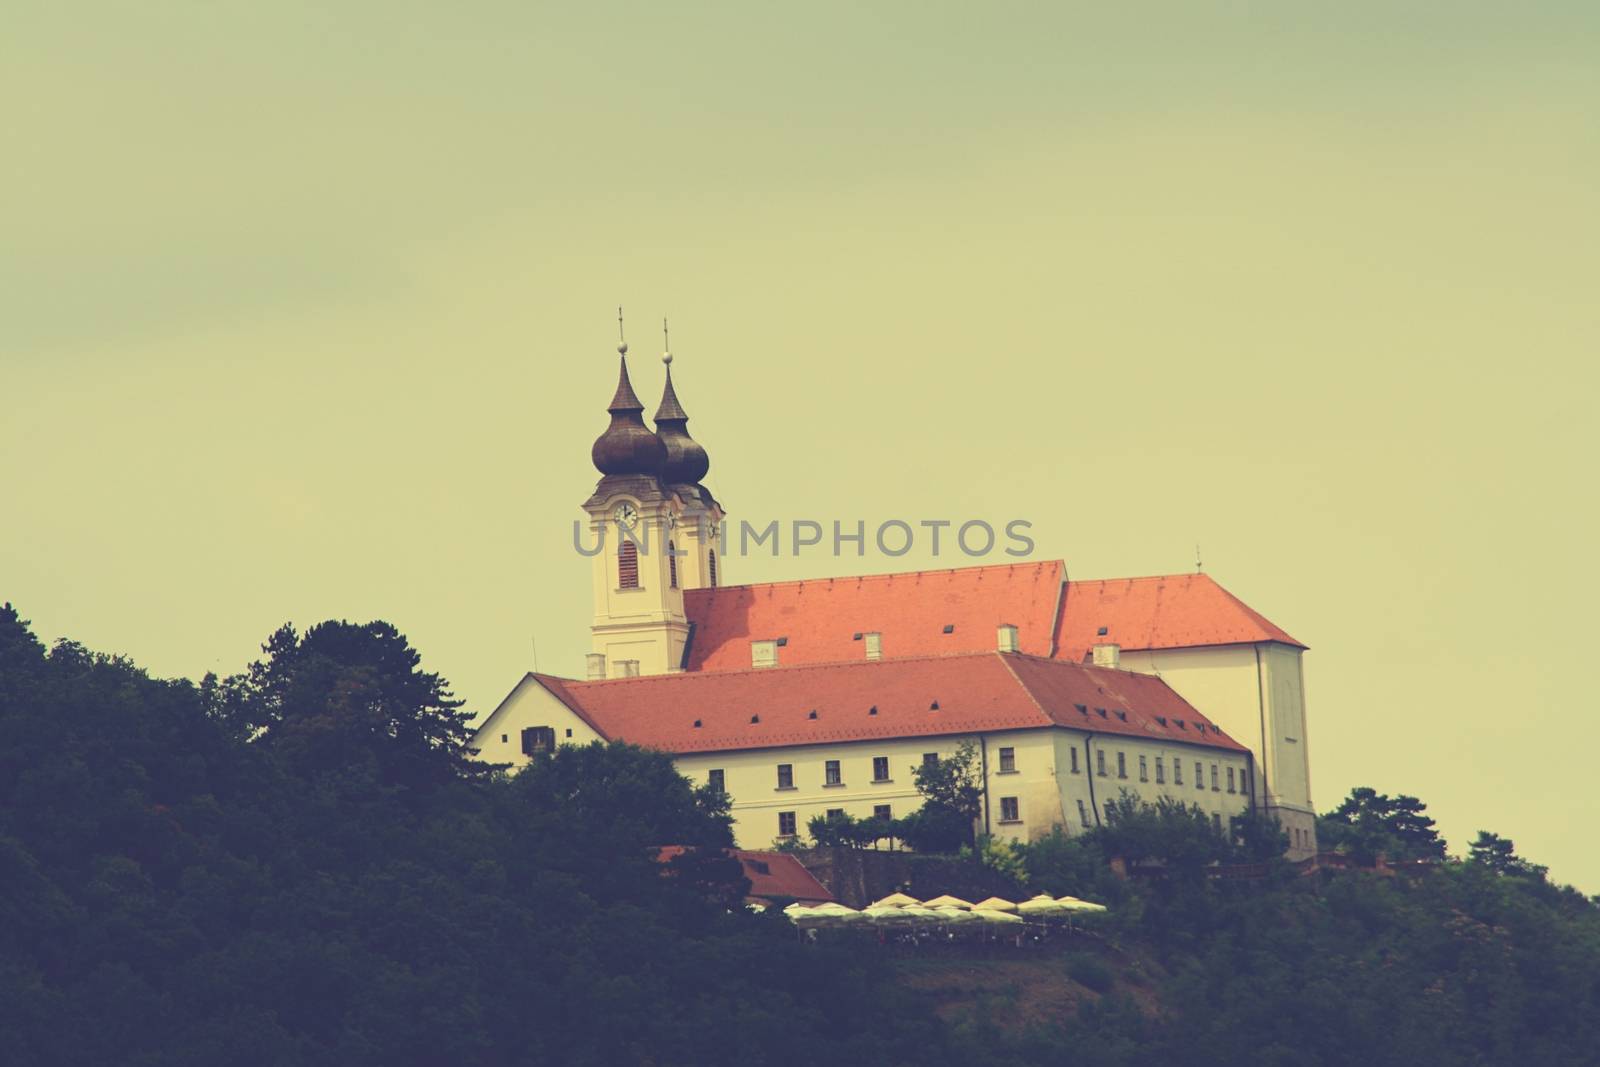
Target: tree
x=1258 y=837
x=1181 y=837
x=1499 y=854
x=1369 y=822
x=952 y=797
x=348 y=696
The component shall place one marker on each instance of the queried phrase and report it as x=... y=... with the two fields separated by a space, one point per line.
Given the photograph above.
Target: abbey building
x=803 y=698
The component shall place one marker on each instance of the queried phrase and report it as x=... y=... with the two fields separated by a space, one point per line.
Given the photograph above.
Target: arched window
x=712 y=570
x=672 y=569
x=628 y=565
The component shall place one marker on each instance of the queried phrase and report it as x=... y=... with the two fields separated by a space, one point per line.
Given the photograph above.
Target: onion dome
x=687 y=461
x=627 y=446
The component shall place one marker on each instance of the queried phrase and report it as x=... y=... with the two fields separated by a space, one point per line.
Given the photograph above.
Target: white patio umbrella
x=1041 y=906
x=917 y=911
x=993 y=915
x=946 y=901
x=959 y=915
x=886 y=914
x=1074 y=904
x=895 y=900
x=994 y=904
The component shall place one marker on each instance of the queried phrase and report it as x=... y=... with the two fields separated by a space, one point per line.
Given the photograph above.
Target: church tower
x=655 y=529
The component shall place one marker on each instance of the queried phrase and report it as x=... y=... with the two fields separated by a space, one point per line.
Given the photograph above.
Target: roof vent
x=1122 y=715
x=1083 y=709
x=1100 y=712
x=856 y=636
x=1181 y=724
x=782 y=642
x=813 y=714
x=873 y=710
x=1108 y=655
x=1162 y=719
x=949 y=627
x=595 y=663
x=1102 y=631
x=755 y=718
x=934 y=706
x=874 y=643
x=1006 y=636
x=697 y=724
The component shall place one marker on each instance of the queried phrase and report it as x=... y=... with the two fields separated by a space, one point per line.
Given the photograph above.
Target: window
x=1110 y=807
x=785 y=776
x=1244 y=779
x=505 y=738
x=537 y=739
x=1177 y=772
x=930 y=760
x=1083 y=814
x=714 y=779
x=835 y=813
x=672 y=565
x=830 y=773
x=627 y=565
x=711 y=567
x=1008 y=761
x=882 y=811
x=785 y=824
x=1122 y=765
x=1216 y=822
x=1230 y=779
x=1009 y=810
x=1161 y=771
x=880 y=768
x=1100 y=764
x=1144 y=769
x=569 y=731
x=1074 y=753
x=1215 y=788
x=1199 y=775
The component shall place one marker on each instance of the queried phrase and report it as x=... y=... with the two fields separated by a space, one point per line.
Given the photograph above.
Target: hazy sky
x=306 y=311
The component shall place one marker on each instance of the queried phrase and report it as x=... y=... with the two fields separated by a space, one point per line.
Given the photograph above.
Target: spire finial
x=622 y=340
x=666 y=343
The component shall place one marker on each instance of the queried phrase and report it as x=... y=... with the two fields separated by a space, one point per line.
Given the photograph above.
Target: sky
x=307 y=311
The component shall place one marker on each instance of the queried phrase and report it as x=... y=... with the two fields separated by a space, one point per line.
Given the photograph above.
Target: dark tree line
x=300 y=865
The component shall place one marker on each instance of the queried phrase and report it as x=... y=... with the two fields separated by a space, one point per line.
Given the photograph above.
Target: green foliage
x=1004 y=858
x=1090 y=971
x=1500 y=856
x=174 y=893
x=1369 y=822
x=952 y=797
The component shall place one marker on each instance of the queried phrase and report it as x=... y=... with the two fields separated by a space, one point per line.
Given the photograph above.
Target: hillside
x=296 y=865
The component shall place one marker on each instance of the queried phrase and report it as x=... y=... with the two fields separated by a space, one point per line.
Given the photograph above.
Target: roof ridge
x=878 y=577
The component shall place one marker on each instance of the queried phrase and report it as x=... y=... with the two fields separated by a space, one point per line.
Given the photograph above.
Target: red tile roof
x=1171 y=611
x=885 y=699
x=819 y=618
x=772 y=875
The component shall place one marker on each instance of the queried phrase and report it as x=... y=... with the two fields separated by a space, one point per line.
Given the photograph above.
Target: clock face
x=672 y=520
x=626 y=514
x=714 y=530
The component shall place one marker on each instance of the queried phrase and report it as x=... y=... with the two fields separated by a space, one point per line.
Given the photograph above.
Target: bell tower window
x=627 y=565
x=672 y=565
x=711 y=567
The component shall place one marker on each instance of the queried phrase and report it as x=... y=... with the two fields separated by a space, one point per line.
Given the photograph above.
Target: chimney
x=1108 y=655
x=874 y=643
x=1007 y=637
x=596 y=662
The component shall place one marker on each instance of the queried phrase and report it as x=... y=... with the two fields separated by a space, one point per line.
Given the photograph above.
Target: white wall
x=1261 y=704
